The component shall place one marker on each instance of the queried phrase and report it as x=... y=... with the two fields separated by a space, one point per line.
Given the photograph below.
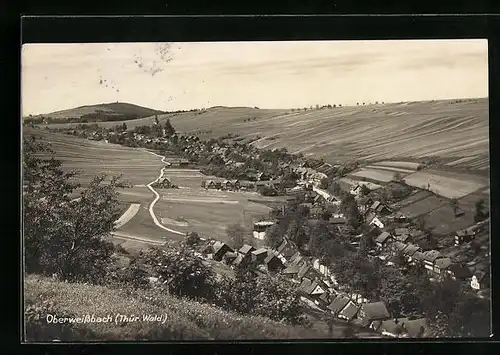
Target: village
x=393 y=235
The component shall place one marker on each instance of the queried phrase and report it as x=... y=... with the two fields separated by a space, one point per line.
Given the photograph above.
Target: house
x=286 y=250
x=227 y=185
x=459 y=272
x=338 y=304
x=380 y=209
x=273 y=263
x=242 y=260
x=297 y=260
x=218 y=185
x=409 y=251
x=324 y=299
x=208 y=184
x=260 y=229
x=219 y=250
x=371 y=312
x=429 y=258
x=311 y=289
x=235 y=184
x=415 y=328
x=323 y=270
x=402 y=237
x=349 y=311
x=355 y=190
x=382 y=239
x=441 y=265
x=464 y=236
x=418 y=257
x=290 y=271
x=376 y=221
x=246 y=249
x=398 y=247
x=392 y=327
x=480 y=280
x=307 y=271
x=259 y=255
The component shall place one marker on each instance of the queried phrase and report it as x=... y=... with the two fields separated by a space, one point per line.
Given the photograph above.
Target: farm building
x=307 y=271
x=372 y=312
x=480 y=280
x=311 y=289
x=219 y=250
x=380 y=209
x=259 y=255
x=242 y=260
x=441 y=265
x=418 y=257
x=338 y=304
x=273 y=263
x=260 y=229
x=382 y=239
x=398 y=247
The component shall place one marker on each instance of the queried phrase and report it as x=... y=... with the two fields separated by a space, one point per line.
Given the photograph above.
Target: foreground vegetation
x=186 y=319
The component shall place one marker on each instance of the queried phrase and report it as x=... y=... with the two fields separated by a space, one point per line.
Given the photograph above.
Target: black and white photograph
x=255 y=190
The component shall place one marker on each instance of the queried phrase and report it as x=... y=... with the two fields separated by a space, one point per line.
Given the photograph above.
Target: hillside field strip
x=450 y=185
x=442 y=129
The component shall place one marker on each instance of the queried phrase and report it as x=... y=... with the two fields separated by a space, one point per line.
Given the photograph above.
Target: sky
x=173 y=76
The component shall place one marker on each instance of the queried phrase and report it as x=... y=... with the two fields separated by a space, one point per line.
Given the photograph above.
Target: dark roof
x=415 y=328
x=271 y=256
x=350 y=310
x=338 y=304
x=411 y=249
x=375 y=205
x=307 y=286
x=459 y=271
x=219 y=246
x=382 y=237
x=391 y=326
x=376 y=310
x=287 y=249
x=245 y=249
x=325 y=297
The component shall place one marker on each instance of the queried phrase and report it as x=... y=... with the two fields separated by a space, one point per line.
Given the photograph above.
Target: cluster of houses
x=407 y=242
x=237 y=185
x=317 y=286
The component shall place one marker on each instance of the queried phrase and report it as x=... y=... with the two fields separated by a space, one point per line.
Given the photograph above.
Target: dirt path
x=134 y=238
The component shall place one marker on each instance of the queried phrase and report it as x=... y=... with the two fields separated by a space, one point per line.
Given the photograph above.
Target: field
x=208 y=212
x=450 y=185
x=423 y=206
x=94 y=157
x=346 y=184
x=374 y=174
x=416 y=130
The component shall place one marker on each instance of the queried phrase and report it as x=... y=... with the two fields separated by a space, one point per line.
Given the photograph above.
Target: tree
x=297 y=233
x=480 y=214
x=365 y=190
x=180 y=271
x=63 y=236
x=454 y=206
x=323 y=184
x=124 y=127
x=274 y=236
x=169 y=129
x=397 y=177
x=237 y=235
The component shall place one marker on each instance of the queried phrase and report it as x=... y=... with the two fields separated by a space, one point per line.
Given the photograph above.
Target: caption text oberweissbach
x=109 y=318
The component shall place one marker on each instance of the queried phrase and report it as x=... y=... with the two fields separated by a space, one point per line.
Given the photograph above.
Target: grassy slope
x=186 y=320
x=406 y=130
x=114 y=108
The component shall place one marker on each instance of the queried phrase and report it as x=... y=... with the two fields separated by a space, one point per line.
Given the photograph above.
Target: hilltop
x=445 y=129
x=100 y=112
x=186 y=320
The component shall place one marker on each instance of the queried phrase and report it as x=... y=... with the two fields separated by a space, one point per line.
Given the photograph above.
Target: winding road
x=134 y=208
